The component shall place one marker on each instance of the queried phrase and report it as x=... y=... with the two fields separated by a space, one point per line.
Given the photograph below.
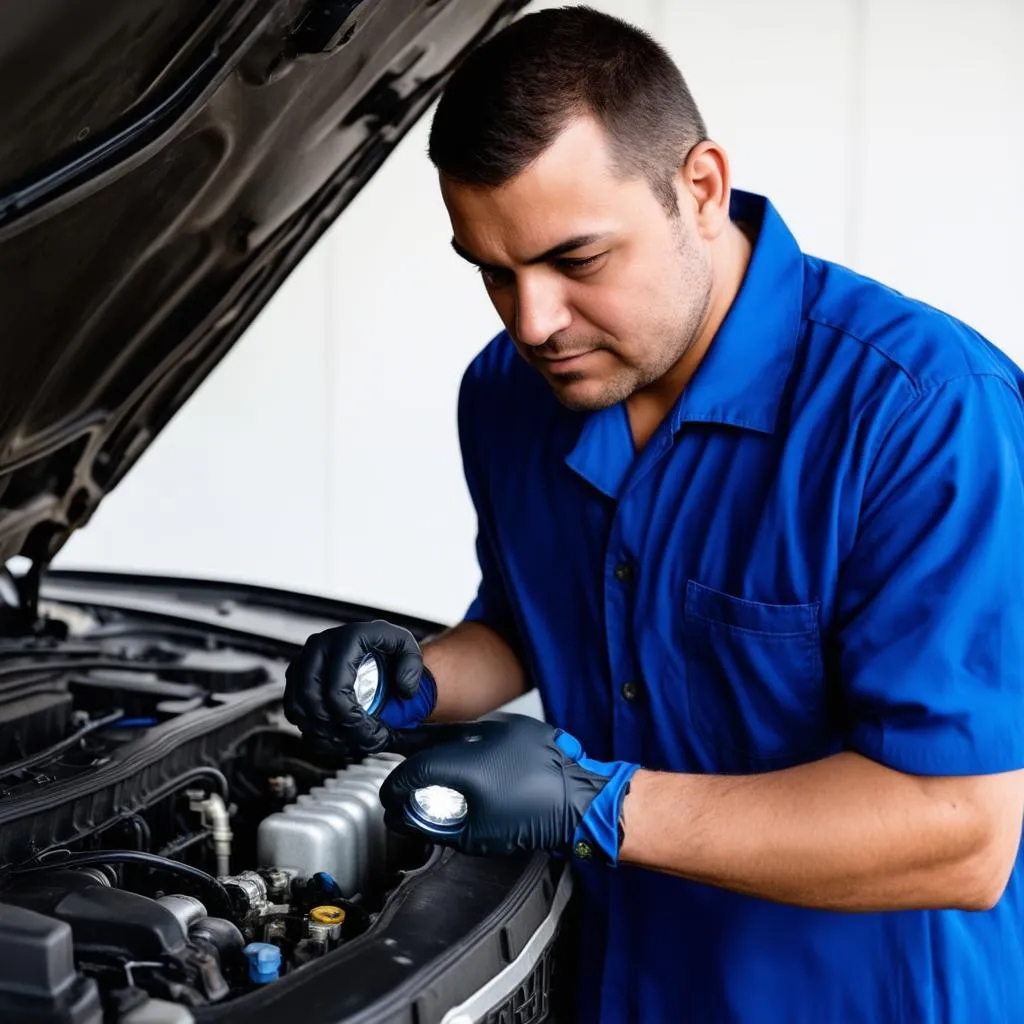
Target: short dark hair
x=512 y=96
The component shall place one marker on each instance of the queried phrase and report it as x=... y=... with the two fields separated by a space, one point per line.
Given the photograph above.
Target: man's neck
x=730 y=259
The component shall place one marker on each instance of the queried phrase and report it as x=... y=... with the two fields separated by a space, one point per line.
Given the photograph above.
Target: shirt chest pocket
x=754 y=681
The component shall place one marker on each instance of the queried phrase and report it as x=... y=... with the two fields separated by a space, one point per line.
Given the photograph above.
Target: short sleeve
x=491 y=606
x=930 y=605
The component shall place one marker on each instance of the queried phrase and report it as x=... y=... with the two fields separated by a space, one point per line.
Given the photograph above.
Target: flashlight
x=437 y=810
x=369 y=684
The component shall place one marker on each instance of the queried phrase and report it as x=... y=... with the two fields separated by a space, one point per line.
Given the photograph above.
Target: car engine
x=167 y=842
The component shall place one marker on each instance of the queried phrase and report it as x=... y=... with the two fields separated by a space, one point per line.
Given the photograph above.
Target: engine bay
x=167 y=841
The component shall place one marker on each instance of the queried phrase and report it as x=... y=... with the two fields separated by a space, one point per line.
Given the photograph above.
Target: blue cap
x=264 y=961
x=327 y=884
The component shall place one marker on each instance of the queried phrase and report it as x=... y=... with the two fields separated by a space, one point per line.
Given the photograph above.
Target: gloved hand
x=528 y=786
x=320 y=694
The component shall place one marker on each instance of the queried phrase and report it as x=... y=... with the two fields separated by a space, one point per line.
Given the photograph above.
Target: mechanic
x=751 y=525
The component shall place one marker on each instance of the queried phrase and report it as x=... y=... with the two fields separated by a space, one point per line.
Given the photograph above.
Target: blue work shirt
x=820 y=549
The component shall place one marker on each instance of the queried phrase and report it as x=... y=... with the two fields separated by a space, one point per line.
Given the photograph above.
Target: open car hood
x=164 y=167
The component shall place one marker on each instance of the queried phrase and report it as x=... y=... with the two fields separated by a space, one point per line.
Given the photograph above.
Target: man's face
x=600 y=288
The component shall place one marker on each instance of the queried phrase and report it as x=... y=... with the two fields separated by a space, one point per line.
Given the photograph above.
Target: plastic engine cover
x=38 y=979
x=337 y=828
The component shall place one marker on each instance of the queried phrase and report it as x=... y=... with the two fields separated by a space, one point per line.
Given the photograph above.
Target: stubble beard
x=680 y=336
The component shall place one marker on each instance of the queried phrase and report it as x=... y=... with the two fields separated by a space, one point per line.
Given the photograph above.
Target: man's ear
x=704 y=182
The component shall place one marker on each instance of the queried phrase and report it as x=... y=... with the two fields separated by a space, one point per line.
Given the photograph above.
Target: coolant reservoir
x=337 y=828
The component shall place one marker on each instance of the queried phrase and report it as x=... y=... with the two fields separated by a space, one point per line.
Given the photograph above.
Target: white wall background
x=322 y=454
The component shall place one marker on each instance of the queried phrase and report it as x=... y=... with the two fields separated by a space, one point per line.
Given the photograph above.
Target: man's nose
x=541 y=311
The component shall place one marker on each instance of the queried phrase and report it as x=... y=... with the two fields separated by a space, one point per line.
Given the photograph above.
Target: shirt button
x=629 y=691
x=623 y=572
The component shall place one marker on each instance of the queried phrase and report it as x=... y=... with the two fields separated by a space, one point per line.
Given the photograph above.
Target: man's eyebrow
x=467 y=255
x=569 y=245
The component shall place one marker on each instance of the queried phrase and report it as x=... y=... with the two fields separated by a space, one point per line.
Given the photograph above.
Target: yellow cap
x=327 y=915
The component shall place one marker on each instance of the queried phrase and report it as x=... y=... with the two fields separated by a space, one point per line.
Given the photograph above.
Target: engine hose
x=172 y=849
x=150 y=860
x=50 y=752
x=197 y=772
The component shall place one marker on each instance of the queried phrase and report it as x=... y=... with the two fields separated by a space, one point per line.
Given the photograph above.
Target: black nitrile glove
x=320 y=696
x=528 y=786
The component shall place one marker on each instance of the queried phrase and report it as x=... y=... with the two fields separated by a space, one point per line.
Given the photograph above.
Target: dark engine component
x=142 y=695
x=134 y=946
x=34 y=714
x=224 y=937
x=38 y=980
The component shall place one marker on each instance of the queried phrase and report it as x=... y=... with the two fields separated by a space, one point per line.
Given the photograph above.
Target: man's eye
x=494 y=277
x=574 y=266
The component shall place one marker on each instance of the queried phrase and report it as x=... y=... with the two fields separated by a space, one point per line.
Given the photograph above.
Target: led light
x=438 y=809
x=369 y=684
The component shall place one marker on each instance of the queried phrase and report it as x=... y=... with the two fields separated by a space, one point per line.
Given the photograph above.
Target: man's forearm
x=476 y=671
x=844 y=833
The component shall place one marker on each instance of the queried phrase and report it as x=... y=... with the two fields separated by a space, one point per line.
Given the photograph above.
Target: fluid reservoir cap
x=326 y=883
x=264 y=961
x=327 y=915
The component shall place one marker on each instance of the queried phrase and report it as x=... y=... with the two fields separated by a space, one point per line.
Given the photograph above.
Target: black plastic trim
x=216 y=604
x=157 y=744
x=443 y=935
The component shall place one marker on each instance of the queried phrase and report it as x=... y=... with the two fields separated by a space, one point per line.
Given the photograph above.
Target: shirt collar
x=742 y=376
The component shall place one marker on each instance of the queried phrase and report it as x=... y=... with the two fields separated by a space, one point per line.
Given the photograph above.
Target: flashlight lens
x=439 y=807
x=368 y=683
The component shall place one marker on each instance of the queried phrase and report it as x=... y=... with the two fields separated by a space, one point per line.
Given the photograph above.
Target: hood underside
x=164 y=167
